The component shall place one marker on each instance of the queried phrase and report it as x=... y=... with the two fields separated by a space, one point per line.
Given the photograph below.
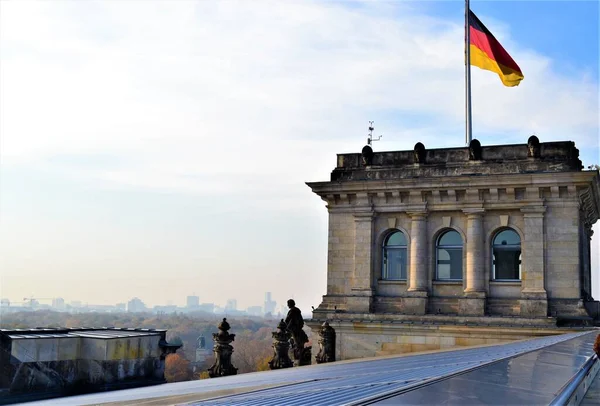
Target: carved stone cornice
x=363 y=215
x=589 y=206
x=417 y=214
x=474 y=212
x=533 y=211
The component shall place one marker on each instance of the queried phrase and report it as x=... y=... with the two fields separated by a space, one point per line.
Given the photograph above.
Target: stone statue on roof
x=295 y=323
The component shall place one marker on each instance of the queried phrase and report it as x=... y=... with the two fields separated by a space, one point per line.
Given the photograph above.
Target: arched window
x=449 y=258
x=506 y=250
x=394 y=257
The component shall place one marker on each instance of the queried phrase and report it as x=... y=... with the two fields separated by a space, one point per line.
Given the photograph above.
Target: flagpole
x=468 y=130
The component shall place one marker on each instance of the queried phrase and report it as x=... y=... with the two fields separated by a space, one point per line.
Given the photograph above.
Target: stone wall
x=543 y=196
x=370 y=338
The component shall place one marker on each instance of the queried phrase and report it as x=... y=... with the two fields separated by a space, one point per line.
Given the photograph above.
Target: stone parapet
x=471 y=305
x=448 y=162
x=435 y=319
x=357 y=337
x=533 y=307
x=567 y=308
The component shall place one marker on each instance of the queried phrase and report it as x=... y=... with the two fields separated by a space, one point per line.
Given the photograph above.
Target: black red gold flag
x=488 y=54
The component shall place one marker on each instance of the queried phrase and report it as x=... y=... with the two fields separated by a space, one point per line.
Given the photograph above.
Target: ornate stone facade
x=536 y=191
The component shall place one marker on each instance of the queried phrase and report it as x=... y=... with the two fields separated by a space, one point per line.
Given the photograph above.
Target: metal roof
x=115 y=334
x=87 y=332
x=369 y=380
x=373 y=380
x=533 y=378
x=30 y=336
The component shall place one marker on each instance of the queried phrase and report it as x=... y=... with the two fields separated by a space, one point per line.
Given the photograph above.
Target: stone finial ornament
x=533 y=147
x=326 y=344
x=281 y=347
x=474 y=150
x=223 y=351
x=419 y=153
x=367 y=155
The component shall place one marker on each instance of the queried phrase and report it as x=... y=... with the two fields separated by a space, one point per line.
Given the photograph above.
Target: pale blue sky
x=160 y=149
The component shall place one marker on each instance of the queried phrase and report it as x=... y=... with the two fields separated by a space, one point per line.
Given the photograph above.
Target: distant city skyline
x=157 y=149
x=137 y=304
x=61 y=301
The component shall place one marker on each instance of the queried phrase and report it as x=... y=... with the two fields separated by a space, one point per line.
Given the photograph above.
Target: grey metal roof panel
x=38 y=336
x=532 y=378
x=111 y=336
x=349 y=382
x=366 y=381
x=98 y=334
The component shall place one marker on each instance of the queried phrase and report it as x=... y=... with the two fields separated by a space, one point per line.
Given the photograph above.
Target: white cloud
x=228 y=87
x=254 y=98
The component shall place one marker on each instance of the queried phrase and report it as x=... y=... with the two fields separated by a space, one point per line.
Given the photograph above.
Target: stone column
x=418 y=277
x=473 y=302
x=361 y=287
x=534 y=301
x=587 y=286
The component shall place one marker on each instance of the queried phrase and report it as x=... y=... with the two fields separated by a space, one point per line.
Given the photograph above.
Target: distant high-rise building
x=192 y=302
x=269 y=304
x=231 y=304
x=168 y=309
x=135 y=305
x=283 y=309
x=207 y=307
x=254 y=311
x=121 y=307
x=58 y=303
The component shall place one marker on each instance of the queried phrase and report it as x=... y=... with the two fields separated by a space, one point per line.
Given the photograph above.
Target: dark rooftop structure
x=47 y=362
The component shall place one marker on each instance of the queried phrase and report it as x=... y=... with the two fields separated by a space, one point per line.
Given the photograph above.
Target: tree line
x=252 y=345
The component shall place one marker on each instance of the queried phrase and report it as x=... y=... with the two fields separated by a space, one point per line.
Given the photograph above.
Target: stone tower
x=480 y=234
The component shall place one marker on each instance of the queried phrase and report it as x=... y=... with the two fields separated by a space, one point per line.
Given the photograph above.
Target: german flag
x=488 y=54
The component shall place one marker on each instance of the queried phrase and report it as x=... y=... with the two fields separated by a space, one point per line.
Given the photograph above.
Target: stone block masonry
x=520 y=218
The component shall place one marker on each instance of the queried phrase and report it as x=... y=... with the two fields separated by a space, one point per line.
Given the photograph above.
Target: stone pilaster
x=418 y=276
x=534 y=302
x=475 y=276
x=361 y=289
x=587 y=262
x=473 y=303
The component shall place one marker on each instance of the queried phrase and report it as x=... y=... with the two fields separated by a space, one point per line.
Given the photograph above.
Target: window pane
x=451 y=238
x=396 y=238
x=507 y=263
x=449 y=264
x=443 y=264
x=507 y=237
x=395 y=263
x=455 y=263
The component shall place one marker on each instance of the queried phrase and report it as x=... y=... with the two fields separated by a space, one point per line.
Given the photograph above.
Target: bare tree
x=251 y=348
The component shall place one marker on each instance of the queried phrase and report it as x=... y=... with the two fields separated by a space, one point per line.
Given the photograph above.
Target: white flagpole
x=468 y=132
